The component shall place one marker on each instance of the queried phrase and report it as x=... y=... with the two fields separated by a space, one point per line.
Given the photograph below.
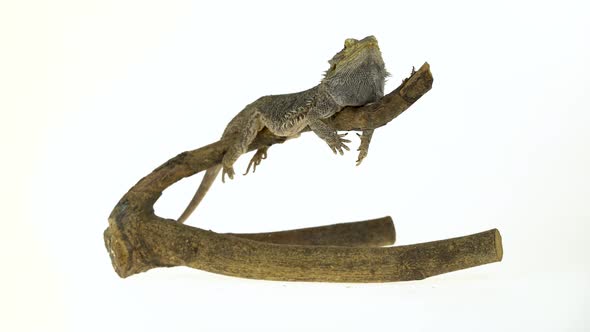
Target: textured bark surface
x=370 y=233
x=150 y=242
x=138 y=240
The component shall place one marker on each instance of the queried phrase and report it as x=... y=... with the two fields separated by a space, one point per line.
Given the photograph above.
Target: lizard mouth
x=368 y=45
x=368 y=52
x=355 y=54
x=369 y=42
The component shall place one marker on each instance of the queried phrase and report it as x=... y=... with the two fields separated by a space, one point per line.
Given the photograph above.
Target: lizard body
x=356 y=77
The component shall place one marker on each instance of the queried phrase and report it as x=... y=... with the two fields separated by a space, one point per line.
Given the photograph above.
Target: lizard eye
x=349 y=42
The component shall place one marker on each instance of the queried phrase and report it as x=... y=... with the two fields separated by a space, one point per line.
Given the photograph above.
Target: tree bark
x=137 y=240
x=370 y=233
x=140 y=244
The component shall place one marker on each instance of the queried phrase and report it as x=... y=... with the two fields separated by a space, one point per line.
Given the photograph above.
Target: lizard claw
x=362 y=155
x=364 y=146
x=230 y=173
x=336 y=143
x=257 y=159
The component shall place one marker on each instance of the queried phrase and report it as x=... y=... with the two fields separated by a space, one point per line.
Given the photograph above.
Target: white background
x=96 y=94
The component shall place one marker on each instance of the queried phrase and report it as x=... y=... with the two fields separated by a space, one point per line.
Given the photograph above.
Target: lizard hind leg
x=248 y=130
x=257 y=158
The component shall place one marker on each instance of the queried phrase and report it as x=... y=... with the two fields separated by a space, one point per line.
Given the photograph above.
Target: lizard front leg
x=327 y=133
x=364 y=146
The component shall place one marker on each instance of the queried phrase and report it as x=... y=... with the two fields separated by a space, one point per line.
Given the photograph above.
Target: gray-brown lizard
x=356 y=77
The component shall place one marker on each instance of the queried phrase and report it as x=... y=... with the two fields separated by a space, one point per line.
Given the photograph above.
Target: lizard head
x=357 y=73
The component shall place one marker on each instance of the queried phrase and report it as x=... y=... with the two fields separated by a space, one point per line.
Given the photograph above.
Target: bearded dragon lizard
x=356 y=77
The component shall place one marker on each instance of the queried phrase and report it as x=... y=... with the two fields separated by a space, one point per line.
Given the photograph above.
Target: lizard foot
x=336 y=143
x=363 y=150
x=229 y=171
x=364 y=146
x=362 y=154
x=257 y=159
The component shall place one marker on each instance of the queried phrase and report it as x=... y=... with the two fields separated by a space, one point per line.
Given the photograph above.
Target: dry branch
x=137 y=240
x=150 y=242
x=370 y=233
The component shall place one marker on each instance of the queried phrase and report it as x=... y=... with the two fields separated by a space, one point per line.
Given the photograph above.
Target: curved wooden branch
x=137 y=240
x=140 y=244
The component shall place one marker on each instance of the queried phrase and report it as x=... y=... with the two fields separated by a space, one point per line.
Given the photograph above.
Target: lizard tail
x=206 y=183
